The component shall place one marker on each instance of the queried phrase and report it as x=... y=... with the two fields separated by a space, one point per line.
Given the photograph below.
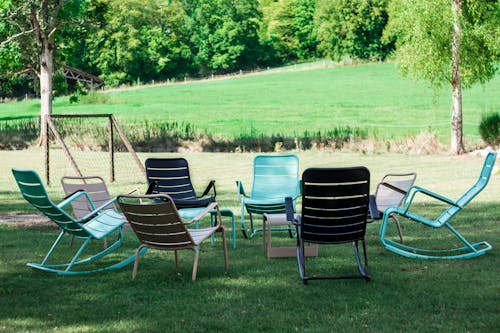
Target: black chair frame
x=334 y=211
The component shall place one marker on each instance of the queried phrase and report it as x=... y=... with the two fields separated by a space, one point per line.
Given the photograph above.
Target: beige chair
x=390 y=192
x=96 y=189
x=157 y=224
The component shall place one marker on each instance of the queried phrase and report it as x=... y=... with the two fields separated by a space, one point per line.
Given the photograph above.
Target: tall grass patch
x=19 y=133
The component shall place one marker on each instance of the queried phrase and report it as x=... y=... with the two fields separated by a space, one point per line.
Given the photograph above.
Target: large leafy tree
x=140 y=40
x=29 y=28
x=288 y=28
x=447 y=42
x=225 y=34
x=352 y=28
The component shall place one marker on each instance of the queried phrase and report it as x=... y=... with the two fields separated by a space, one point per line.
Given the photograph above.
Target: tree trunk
x=457 y=144
x=46 y=71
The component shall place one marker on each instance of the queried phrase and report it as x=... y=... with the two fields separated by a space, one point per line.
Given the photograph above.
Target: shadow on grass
x=256 y=294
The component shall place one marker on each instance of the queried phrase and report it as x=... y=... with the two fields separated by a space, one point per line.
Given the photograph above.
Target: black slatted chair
x=171 y=176
x=334 y=211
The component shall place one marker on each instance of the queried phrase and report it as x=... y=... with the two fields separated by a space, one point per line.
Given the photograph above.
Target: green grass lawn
x=372 y=96
x=256 y=294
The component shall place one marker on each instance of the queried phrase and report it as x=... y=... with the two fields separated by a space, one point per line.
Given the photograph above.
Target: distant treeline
x=130 y=41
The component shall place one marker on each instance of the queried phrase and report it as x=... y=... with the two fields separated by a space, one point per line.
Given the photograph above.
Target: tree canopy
x=126 y=41
x=447 y=42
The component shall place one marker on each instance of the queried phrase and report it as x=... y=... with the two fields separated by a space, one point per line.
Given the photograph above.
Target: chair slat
x=171 y=176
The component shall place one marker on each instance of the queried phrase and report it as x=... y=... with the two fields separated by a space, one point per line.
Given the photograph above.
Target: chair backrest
x=482 y=181
x=34 y=192
x=96 y=189
x=275 y=177
x=471 y=193
x=386 y=196
x=171 y=176
x=156 y=223
x=334 y=204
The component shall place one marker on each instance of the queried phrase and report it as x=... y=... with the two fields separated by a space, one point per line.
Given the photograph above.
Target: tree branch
x=55 y=12
x=13 y=37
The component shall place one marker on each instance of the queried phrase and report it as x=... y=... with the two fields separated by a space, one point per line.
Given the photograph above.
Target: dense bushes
x=489 y=128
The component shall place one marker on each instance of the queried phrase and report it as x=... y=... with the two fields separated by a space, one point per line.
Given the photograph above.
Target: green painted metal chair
x=96 y=225
x=443 y=220
x=274 y=178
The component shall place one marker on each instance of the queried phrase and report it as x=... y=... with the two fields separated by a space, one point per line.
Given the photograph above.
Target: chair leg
x=195 y=263
x=301 y=260
x=136 y=261
x=365 y=271
x=398 y=226
x=224 y=247
x=252 y=232
x=77 y=255
x=47 y=256
x=243 y=227
x=176 y=259
x=264 y=232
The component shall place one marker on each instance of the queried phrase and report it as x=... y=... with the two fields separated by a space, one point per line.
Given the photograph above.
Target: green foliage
x=352 y=28
x=225 y=34
x=423 y=31
x=489 y=128
x=79 y=91
x=93 y=97
x=59 y=84
x=288 y=28
x=138 y=39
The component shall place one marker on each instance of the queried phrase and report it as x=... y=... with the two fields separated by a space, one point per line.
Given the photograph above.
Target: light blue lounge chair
x=96 y=225
x=274 y=178
x=443 y=220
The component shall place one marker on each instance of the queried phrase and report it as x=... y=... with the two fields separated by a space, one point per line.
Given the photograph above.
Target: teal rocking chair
x=274 y=178
x=443 y=220
x=96 y=225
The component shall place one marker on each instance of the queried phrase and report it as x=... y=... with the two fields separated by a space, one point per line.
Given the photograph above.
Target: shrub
x=93 y=97
x=489 y=128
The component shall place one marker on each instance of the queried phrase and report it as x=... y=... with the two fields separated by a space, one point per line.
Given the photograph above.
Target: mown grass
x=256 y=294
x=373 y=97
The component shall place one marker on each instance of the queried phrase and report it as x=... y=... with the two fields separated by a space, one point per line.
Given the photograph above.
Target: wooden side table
x=273 y=220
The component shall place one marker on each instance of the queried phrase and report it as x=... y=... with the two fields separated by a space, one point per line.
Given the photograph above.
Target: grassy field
x=256 y=294
x=372 y=96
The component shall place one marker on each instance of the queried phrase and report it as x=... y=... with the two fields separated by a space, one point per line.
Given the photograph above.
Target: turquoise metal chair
x=274 y=178
x=443 y=220
x=96 y=225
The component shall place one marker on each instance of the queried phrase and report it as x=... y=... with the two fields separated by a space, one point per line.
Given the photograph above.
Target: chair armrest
x=373 y=209
x=72 y=193
x=412 y=192
x=394 y=188
x=97 y=210
x=151 y=188
x=241 y=189
x=204 y=212
x=73 y=196
x=290 y=214
x=135 y=190
x=210 y=185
